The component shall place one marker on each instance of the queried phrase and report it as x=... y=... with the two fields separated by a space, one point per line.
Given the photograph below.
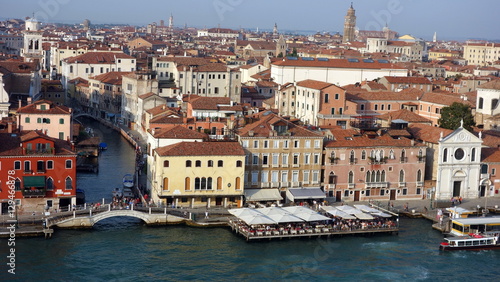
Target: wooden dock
x=309 y=233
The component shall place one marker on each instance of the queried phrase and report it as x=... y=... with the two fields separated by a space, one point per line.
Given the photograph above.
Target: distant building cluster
x=232 y=117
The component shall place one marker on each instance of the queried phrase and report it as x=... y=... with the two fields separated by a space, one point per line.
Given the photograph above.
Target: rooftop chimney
x=9 y=127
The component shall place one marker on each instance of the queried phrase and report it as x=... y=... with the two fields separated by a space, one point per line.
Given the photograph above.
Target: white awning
x=257 y=195
x=305 y=193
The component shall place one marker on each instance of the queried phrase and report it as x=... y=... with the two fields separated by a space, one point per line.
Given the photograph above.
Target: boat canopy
x=495 y=220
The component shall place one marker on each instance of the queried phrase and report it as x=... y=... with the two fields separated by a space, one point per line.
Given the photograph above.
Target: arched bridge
x=88 y=217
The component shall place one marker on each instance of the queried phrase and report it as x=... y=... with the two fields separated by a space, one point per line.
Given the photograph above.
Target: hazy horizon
x=451 y=20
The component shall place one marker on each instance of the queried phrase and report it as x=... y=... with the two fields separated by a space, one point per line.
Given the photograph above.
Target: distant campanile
x=349 y=25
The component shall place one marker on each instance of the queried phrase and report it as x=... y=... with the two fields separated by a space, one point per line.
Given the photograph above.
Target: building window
x=305 y=176
x=188 y=163
x=197 y=163
x=419 y=175
x=473 y=155
x=256 y=144
x=255 y=159
x=307 y=159
x=69 y=163
x=401 y=176
x=295 y=159
x=237 y=183
x=27 y=166
x=165 y=184
x=69 y=183
x=296 y=143
x=17 y=184
x=220 y=163
x=445 y=155
x=40 y=166
x=210 y=163
x=245 y=143
x=326 y=97
x=27 y=120
x=363 y=155
x=350 y=178
x=17 y=165
x=308 y=144
x=61 y=121
x=316 y=159
x=265 y=159
x=166 y=163
x=285 y=144
x=284 y=159
x=49 y=184
x=239 y=163
x=266 y=144
x=50 y=164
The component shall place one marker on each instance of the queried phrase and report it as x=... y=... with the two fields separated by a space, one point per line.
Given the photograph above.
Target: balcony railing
x=403 y=159
x=485 y=175
x=351 y=185
x=377 y=184
x=420 y=184
x=48 y=151
x=378 y=161
x=402 y=184
x=331 y=186
x=421 y=159
x=353 y=160
x=334 y=160
x=34 y=193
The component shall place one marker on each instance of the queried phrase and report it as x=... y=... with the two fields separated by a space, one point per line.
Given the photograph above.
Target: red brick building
x=41 y=170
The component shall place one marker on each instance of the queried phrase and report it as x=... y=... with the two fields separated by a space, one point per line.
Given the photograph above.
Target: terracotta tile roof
x=177 y=132
x=202 y=149
x=408 y=94
x=336 y=63
x=52 y=110
x=262 y=127
x=490 y=155
x=97 y=58
x=375 y=86
x=11 y=143
x=399 y=132
x=314 y=84
x=427 y=133
x=494 y=84
x=147 y=95
x=161 y=109
x=445 y=99
x=407 y=80
x=491 y=138
x=209 y=103
x=18 y=66
x=405 y=115
x=348 y=138
x=113 y=77
x=166 y=119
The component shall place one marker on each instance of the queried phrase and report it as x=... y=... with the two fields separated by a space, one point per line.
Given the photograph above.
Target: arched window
x=187 y=184
x=403 y=156
x=377 y=177
x=219 y=183
x=351 y=157
x=49 y=184
x=220 y=163
x=362 y=107
x=69 y=183
x=368 y=175
x=382 y=177
x=419 y=175
x=165 y=183
x=166 y=163
x=237 y=183
x=351 y=177
x=391 y=154
x=17 y=184
x=420 y=153
x=480 y=104
x=209 y=183
x=210 y=163
x=188 y=163
x=363 y=155
x=198 y=163
x=332 y=177
x=203 y=185
x=445 y=155
x=373 y=178
x=239 y=163
x=401 y=176
x=473 y=155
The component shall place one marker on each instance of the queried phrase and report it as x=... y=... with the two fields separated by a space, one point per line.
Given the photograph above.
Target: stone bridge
x=88 y=217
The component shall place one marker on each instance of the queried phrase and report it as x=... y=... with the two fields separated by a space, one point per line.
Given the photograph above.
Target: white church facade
x=459 y=165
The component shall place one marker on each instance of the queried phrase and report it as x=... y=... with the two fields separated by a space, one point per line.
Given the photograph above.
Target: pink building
x=362 y=167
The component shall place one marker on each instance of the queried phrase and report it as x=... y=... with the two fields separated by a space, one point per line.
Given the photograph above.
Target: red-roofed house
x=393 y=83
x=55 y=121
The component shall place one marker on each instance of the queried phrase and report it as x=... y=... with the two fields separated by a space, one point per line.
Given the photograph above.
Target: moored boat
x=128 y=180
x=471 y=242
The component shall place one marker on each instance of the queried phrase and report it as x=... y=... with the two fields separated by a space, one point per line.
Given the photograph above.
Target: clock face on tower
x=459 y=154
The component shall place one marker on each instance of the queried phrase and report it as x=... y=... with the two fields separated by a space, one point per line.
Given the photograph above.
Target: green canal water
x=122 y=249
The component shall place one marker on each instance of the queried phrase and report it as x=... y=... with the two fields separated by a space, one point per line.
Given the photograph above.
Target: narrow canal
x=123 y=249
x=114 y=163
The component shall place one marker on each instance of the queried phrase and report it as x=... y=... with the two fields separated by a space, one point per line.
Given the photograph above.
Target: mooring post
x=109 y=207
x=103 y=201
x=165 y=210
x=90 y=212
x=74 y=214
x=149 y=210
x=132 y=207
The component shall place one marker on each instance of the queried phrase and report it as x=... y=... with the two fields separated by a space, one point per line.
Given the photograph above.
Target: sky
x=450 y=19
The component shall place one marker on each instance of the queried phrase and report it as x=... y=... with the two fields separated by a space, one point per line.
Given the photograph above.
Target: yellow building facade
x=199 y=174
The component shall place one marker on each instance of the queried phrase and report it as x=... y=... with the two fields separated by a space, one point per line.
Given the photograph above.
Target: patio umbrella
x=257 y=219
